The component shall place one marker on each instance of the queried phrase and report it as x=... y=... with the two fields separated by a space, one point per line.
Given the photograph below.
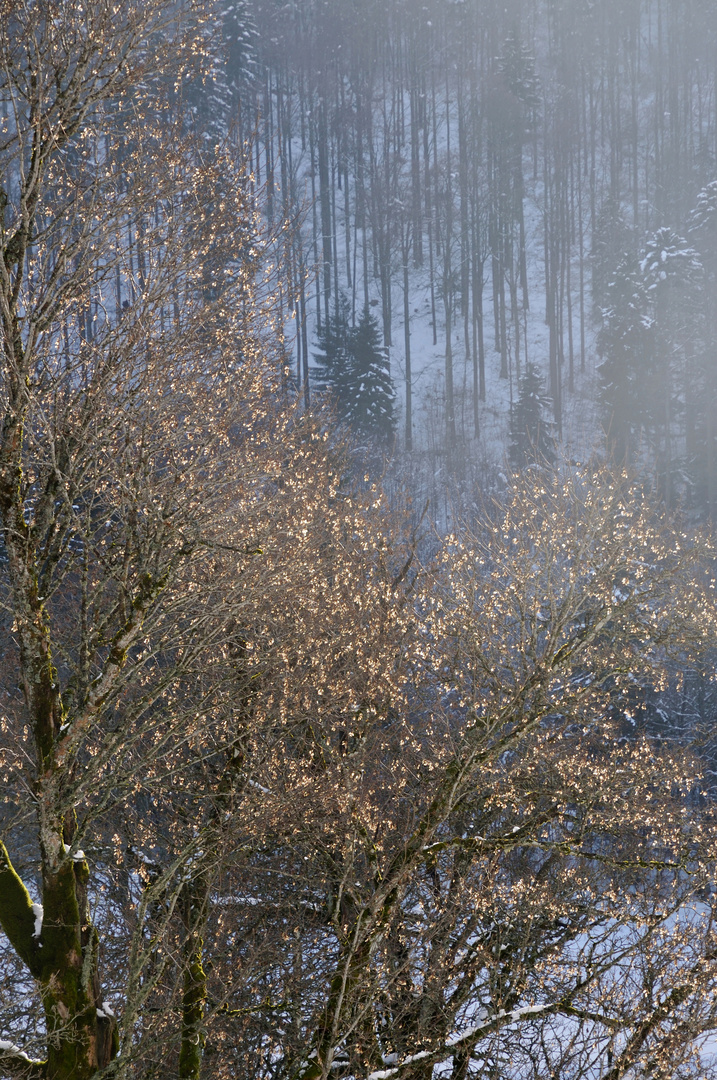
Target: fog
x=510 y=189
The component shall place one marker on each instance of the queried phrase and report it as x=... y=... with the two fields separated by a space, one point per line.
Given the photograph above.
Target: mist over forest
x=358 y=478
x=509 y=190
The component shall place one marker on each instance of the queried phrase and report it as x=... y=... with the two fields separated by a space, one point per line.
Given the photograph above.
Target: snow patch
x=38 y=911
x=259 y=787
x=78 y=856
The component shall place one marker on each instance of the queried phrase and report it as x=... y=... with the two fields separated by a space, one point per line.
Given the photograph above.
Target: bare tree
x=515 y=856
x=131 y=397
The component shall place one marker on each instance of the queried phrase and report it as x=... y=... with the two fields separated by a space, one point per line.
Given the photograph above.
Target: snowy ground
x=581 y=432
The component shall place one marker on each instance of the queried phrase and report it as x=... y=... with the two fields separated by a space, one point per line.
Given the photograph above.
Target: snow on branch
x=16 y=1063
x=457 y=1042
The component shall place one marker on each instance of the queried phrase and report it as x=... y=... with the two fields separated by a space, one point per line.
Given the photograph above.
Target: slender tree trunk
x=194 y=992
x=407 y=346
x=325 y=199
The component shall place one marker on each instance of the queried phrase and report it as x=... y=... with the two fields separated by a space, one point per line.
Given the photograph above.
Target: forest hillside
x=497 y=184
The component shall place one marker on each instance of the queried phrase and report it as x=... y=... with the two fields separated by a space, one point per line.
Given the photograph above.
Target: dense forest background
x=500 y=185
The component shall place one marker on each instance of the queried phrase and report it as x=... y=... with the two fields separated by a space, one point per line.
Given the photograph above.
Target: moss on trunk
x=193 y=1036
x=17 y=916
x=63 y=958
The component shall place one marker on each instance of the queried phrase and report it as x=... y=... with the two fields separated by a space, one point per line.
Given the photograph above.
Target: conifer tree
x=610 y=241
x=646 y=380
x=532 y=435
x=352 y=364
x=623 y=342
x=332 y=357
x=517 y=67
x=371 y=394
x=212 y=98
x=672 y=272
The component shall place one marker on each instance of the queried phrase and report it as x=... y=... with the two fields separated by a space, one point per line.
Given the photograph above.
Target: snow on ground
x=581 y=433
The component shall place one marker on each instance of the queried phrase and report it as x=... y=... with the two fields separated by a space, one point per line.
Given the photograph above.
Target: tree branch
x=17 y=1064
x=17 y=916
